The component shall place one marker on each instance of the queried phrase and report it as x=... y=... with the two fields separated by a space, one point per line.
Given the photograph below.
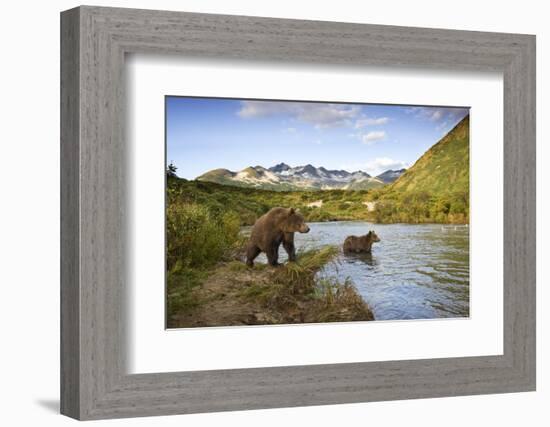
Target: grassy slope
x=444 y=168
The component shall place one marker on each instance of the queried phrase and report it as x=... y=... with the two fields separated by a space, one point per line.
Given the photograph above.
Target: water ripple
x=415 y=272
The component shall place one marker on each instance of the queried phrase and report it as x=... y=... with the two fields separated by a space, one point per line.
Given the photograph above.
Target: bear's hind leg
x=251 y=253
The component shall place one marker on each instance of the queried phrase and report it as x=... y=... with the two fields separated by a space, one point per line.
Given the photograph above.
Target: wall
x=30 y=200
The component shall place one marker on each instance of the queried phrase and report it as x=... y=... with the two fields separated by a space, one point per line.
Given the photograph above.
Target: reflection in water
x=365 y=258
x=415 y=272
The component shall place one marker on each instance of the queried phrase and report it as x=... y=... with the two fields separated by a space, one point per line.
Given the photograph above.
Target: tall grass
x=296 y=292
x=196 y=238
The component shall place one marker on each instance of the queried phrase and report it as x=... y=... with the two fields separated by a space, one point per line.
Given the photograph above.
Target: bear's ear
x=291 y=211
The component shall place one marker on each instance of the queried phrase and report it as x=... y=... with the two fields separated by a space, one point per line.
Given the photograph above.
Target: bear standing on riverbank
x=270 y=230
x=361 y=244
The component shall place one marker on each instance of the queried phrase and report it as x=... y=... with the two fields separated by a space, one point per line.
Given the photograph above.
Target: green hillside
x=221 y=176
x=436 y=188
x=444 y=168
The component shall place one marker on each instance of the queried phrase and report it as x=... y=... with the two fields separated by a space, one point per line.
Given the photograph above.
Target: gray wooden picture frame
x=94 y=381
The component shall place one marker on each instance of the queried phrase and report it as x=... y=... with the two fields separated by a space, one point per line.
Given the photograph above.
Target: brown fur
x=358 y=244
x=270 y=230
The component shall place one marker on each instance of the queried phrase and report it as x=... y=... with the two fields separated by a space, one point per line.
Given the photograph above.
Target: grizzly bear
x=355 y=244
x=270 y=230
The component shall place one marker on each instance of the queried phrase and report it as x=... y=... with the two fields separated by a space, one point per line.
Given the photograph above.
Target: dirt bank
x=233 y=294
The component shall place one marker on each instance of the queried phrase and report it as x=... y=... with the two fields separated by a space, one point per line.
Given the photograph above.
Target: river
x=414 y=272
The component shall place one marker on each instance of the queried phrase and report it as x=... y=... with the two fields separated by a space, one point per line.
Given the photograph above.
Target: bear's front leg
x=288 y=244
x=273 y=255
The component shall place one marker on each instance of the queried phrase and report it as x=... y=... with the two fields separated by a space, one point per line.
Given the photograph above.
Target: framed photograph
x=262 y=213
x=226 y=218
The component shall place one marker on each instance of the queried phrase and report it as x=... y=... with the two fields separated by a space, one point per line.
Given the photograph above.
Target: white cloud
x=382 y=164
x=262 y=108
x=377 y=166
x=438 y=114
x=317 y=114
x=373 y=136
x=361 y=123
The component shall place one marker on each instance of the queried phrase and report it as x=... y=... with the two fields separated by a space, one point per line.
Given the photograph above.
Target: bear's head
x=373 y=237
x=294 y=222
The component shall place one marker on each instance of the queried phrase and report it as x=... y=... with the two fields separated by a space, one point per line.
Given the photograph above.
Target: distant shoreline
x=316 y=205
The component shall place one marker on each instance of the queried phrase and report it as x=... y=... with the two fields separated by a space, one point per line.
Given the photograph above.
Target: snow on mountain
x=285 y=177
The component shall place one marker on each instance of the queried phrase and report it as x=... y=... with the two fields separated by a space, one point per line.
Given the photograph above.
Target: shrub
x=195 y=237
x=317 y=215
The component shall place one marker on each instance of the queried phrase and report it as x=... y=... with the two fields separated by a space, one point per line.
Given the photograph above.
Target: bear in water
x=270 y=230
x=360 y=244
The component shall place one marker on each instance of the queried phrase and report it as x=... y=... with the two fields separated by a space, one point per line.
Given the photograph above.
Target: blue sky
x=208 y=133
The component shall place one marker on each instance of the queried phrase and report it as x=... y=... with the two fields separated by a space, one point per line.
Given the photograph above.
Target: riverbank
x=231 y=294
x=378 y=206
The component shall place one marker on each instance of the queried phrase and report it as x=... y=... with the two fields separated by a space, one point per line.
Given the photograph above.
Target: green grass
x=291 y=279
x=181 y=284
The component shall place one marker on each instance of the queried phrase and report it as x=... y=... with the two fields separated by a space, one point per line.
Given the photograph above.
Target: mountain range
x=283 y=177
